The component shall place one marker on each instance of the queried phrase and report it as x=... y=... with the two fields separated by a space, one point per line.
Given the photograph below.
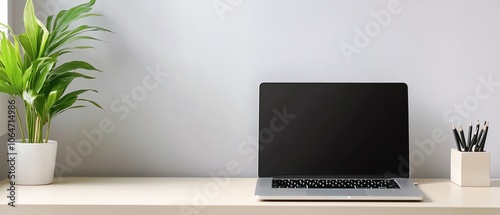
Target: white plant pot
x=35 y=163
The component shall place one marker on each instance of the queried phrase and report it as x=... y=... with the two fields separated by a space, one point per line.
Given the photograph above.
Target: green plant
x=29 y=67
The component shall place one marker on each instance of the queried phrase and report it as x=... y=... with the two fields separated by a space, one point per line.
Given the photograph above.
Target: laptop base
x=408 y=192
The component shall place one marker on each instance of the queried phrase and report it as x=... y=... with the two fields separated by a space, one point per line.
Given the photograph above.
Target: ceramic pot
x=35 y=163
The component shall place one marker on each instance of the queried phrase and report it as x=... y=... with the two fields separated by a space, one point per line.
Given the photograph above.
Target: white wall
x=4 y=14
x=4 y=18
x=3 y=11
x=180 y=81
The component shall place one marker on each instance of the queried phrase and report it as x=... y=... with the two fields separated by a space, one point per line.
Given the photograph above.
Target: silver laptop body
x=334 y=141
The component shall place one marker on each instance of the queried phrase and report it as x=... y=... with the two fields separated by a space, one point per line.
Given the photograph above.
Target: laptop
x=334 y=141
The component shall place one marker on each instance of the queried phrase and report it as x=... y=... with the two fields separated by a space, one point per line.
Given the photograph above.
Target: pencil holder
x=470 y=169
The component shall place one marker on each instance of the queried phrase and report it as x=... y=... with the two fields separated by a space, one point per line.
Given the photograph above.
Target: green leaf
x=61 y=83
x=27 y=77
x=92 y=102
x=69 y=108
x=10 y=58
x=65 y=18
x=39 y=105
x=72 y=75
x=49 y=21
x=67 y=101
x=52 y=97
x=3 y=75
x=32 y=30
x=41 y=67
x=29 y=97
x=6 y=88
x=73 y=65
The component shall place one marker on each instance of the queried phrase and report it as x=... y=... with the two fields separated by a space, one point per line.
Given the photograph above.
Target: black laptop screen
x=333 y=129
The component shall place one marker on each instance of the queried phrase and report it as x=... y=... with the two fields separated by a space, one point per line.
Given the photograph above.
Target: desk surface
x=89 y=195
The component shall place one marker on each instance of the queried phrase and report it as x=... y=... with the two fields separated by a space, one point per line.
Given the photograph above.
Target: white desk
x=144 y=196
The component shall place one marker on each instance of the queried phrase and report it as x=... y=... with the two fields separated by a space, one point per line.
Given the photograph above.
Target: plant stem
x=29 y=125
x=32 y=136
x=35 y=131
x=48 y=131
x=38 y=131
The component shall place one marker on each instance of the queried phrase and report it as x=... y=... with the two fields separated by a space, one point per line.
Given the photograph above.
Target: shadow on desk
x=495 y=183
x=432 y=181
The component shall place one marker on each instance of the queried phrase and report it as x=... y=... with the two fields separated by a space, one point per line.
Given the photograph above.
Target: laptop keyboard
x=336 y=183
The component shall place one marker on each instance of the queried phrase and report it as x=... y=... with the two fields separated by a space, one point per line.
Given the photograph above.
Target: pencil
x=470 y=134
x=455 y=133
x=462 y=138
x=479 y=139
x=483 y=142
x=474 y=138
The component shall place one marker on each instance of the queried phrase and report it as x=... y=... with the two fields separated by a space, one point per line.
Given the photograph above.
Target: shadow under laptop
x=425 y=199
x=495 y=183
